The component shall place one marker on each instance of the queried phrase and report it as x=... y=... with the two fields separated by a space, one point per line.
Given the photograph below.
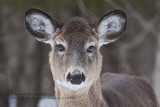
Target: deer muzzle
x=76 y=78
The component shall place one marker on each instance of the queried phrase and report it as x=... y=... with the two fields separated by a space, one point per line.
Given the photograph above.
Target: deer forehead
x=76 y=24
x=77 y=32
x=76 y=43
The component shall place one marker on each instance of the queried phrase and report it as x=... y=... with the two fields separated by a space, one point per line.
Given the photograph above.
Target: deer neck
x=90 y=98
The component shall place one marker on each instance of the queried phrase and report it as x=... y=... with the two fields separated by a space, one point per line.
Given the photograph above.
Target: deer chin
x=67 y=86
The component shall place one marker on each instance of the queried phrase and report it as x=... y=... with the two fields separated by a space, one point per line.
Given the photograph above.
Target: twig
x=85 y=11
x=140 y=37
x=12 y=37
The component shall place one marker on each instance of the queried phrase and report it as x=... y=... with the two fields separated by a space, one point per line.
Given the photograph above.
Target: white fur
x=116 y=22
x=61 y=42
x=88 y=44
x=70 y=87
x=50 y=41
x=72 y=68
x=35 y=20
x=104 y=41
x=116 y=25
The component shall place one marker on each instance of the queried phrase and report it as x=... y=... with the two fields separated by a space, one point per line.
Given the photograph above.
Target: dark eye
x=60 y=47
x=90 y=49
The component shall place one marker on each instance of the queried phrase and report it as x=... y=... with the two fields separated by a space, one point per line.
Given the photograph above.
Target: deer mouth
x=67 y=86
x=76 y=78
x=75 y=81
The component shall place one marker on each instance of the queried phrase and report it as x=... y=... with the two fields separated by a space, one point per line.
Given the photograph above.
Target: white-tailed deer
x=76 y=62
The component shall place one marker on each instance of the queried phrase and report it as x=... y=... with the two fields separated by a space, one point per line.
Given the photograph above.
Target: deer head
x=75 y=58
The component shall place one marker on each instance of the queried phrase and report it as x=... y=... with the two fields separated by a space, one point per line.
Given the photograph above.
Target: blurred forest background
x=24 y=69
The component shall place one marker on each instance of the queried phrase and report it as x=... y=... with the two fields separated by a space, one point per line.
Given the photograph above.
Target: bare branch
x=139 y=17
x=140 y=37
x=113 y=4
x=85 y=11
x=133 y=13
x=14 y=36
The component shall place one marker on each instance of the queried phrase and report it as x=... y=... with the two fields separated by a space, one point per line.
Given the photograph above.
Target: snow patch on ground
x=41 y=103
x=47 y=103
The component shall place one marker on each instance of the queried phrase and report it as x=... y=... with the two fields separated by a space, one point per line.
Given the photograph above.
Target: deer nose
x=76 y=77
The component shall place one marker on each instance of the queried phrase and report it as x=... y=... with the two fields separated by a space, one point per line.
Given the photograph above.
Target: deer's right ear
x=40 y=25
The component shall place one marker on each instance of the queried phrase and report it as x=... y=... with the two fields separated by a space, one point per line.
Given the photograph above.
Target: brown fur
x=112 y=90
x=117 y=90
x=127 y=91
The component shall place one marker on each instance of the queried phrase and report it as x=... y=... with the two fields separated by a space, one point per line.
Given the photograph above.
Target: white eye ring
x=60 y=47
x=90 y=49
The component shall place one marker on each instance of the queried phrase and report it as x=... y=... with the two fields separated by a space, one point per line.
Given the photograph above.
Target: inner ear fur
x=119 y=13
x=41 y=35
x=117 y=20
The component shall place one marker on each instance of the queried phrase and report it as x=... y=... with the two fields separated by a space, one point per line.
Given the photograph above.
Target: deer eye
x=60 y=47
x=90 y=49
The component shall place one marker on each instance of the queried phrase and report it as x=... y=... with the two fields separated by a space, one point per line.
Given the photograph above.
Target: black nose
x=76 y=78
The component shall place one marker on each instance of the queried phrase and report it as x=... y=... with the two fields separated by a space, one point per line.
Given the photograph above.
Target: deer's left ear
x=110 y=26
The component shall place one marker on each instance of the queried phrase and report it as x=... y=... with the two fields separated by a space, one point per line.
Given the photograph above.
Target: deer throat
x=90 y=98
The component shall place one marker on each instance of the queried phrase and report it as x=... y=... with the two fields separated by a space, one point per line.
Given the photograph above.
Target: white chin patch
x=70 y=87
